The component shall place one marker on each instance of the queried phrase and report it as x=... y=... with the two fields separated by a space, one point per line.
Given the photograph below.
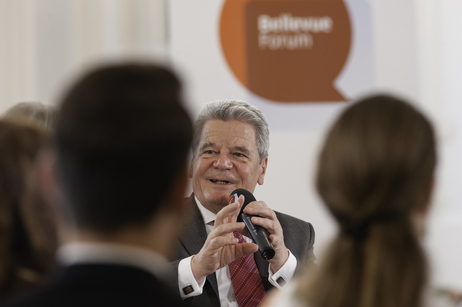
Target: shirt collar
x=207 y=215
x=111 y=253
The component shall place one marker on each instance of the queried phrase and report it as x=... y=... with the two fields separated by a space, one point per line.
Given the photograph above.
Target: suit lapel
x=195 y=236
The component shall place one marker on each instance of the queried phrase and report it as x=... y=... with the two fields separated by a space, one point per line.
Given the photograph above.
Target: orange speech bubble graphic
x=287 y=51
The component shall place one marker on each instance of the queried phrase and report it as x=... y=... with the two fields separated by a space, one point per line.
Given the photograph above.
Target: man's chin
x=222 y=201
x=218 y=203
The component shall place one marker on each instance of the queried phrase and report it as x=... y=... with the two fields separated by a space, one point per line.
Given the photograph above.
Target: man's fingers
x=268 y=224
x=230 y=212
x=227 y=228
x=246 y=249
x=244 y=232
x=218 y=242
x=222 y=235
x=261 y=209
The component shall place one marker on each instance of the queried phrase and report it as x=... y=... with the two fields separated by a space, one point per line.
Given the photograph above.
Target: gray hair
x=227 y=110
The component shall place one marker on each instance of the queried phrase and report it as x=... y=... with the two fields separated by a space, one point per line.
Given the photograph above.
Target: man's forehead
x=236 y=133
x=236 y=142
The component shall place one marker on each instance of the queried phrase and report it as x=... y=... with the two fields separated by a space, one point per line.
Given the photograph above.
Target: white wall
x=440 y=75
x=417 y=52
x=45 y=43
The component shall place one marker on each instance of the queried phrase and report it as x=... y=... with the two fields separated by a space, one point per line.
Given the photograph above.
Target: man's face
x=226 y=159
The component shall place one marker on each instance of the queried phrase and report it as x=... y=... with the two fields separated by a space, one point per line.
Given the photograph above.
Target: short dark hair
x=122 y=139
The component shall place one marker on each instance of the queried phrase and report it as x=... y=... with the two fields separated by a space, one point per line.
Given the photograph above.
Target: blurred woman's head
x=27 y=225
x=377 y=164
x=375 y=175
x=33 y=113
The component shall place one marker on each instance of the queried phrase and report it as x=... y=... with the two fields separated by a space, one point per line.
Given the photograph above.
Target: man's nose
x=223 y=162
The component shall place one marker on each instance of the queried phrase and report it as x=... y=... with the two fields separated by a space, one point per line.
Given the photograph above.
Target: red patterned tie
x=246 y=279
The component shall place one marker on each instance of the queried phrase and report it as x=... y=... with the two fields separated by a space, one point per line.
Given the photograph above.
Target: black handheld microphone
x=258 y=233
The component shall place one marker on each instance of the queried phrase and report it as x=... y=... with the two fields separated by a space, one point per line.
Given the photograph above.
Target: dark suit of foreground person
x=230 y=150
x=121 y=143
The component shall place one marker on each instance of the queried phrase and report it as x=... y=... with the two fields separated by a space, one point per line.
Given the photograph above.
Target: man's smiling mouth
x=220 y=181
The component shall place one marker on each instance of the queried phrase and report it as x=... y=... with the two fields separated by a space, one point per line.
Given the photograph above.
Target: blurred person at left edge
x=118 y=167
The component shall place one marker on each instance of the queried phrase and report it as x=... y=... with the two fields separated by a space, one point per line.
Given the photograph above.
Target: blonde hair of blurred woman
x=28 y=238
x=32 y=112
x=375 y=176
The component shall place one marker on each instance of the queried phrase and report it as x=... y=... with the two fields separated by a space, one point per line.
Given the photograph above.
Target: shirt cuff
x=187 y=284
x=285 y=273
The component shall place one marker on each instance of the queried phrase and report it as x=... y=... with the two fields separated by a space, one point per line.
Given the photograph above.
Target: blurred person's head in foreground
x=28 y=238
x=375 y=176
x=122 y=139
x=117 y=168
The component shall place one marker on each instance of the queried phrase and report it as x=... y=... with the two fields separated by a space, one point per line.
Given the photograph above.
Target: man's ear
x=263 y=165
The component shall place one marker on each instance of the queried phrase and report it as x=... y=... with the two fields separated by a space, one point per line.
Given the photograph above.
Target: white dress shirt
x=225 y=288
x=110 y=253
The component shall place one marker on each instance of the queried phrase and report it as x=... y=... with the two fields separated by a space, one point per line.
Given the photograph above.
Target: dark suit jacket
x=99 y=285
x=298 y=237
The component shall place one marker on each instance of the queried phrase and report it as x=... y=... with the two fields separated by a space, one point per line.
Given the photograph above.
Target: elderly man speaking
x=216 y=262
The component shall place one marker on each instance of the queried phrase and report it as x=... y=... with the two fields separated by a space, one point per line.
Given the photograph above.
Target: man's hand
x=221 y=247
x=267 y=219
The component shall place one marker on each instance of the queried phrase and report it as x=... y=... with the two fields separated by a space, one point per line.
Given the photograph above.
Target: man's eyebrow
x=206 y=145
x=242 y=149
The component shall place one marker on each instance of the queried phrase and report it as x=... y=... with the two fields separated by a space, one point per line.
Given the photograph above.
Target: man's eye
x=238 y=154
x=208 y=152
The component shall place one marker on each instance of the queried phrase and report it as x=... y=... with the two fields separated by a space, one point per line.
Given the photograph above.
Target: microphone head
x=248 y=198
